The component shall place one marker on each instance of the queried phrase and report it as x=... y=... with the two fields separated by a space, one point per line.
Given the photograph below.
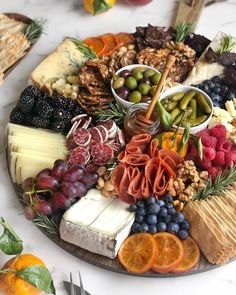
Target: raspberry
x=208 y=154
x=219 y=159
x=209 y=141
x=223 y=144
x=213 y=171
x=206 y=164
x=204 y=133
x=230 y=158
x=219 y=131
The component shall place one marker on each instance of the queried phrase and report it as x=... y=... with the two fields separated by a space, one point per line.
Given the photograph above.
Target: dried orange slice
x=170 y=252
x=191 y=256
x=138 y=252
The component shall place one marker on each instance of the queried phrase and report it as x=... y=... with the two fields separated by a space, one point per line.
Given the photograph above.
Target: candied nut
x=123 y=49
x=204 y=175
x=98 y=187
x=176 y=202
x=101 y=170
x=108 y=186
x=130 y=46
x=106 y=193
x=101 y=182
x=180 y=207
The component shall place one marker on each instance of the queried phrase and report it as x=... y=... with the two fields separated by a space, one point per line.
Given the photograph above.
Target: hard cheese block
x=97 y=224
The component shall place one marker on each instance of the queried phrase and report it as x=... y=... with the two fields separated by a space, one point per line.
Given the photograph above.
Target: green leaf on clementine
x=100 y=6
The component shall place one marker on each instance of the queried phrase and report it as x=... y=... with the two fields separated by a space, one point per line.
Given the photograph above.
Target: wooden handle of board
x=168 y=66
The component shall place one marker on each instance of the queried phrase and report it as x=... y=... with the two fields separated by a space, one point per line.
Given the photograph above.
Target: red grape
x=30 y=213
x=90 y=179
x=43 y=207
x=48 y=182
x=60 y=167
x=26 y=198
x=81 y=189
x=59 y=162
x=60 y=201
x=44 y=173
x=74 y=173
x=69 y=189
x=27 y=184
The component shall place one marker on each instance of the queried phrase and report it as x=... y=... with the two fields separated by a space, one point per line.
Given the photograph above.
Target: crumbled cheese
x=230 y=108
x=61 y=86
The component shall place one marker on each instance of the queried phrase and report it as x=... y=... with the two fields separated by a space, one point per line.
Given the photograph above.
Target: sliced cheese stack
x=213 y=226
x=30 y=150
x=97 y=224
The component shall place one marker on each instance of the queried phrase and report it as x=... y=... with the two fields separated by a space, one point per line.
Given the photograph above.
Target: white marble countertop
x=67 y=18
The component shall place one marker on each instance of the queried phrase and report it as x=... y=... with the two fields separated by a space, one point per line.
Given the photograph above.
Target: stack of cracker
x=213 y=225
x=13 y=43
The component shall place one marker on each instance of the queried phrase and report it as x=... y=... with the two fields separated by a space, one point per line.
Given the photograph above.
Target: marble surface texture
x=67 y=18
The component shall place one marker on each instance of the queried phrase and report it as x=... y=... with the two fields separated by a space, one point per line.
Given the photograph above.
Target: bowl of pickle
x=134 y=84
x=188 y=104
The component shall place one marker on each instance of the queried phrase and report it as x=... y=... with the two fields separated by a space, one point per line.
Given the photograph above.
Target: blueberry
x=169 y=206
x=140 y=204
x=160 y=203
x=150 y=200
x=183 y=234
x=217 y=90
x=153 y=209
x=163 y=212
x=225 y=88
x=161 y=226
x=152 y=229
x=185 y=225
x=168 y=198
x=211 y=85
x=230 y=95
x=216 y=79
x=141 y=211
x=216 y=97
x=151 y=219
x=171 y=211
x=205 y=87
x=133 y=207
x=143 y=228
x=216 y=104
x=206 y=82
x=217 y=85
x=135 y=227
x=167 y=219
x=173 y=228
x=178 y=217
x=139 y=218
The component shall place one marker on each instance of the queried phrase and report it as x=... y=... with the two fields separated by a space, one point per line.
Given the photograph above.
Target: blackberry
x=61 y=114
x=27 y=99
x=71 y=105
x=31 y=91
x=77 y=111
x=58 y=126
x=16 y=116
x=44 y=109
x=60 y=101
x=40 y=122
x=28 y=119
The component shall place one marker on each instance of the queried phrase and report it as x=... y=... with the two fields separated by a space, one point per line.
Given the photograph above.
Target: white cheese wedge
x=97 y=224
x=202 y=70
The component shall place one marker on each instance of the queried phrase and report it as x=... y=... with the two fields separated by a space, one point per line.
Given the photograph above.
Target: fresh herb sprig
x=227 y=44
x=46 y=223
x=115 y=113
x=221 y=182
x=35 y=29
x=182 y=31
x=84 y=49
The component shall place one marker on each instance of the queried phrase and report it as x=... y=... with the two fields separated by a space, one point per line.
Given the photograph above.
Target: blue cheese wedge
x=97 y=224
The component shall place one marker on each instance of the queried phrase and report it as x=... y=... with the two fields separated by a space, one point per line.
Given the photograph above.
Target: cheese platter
x=153 y=199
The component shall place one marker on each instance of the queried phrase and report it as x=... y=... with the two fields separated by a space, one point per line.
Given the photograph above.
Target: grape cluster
x=56 y=188
x=153 y=215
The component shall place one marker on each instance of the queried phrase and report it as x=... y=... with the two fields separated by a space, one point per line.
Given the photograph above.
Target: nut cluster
x=188 y=180
x=104 y=183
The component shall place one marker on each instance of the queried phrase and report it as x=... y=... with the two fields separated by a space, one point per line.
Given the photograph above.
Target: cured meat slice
x=165 y=154
x=107 y=124
x=132 y=148
x=141 y=140
x=122 y=157
x=153 y=148
x=121 y=137
x=91 y=167
x=116 y=177
x=136 y=159
x=81 y=136
x=79 y=155
x=135 y=177
x=78 y=117
x=96 y=134
x=123 y=189
x=101 y=153
x=103 y=132
x=70 y=143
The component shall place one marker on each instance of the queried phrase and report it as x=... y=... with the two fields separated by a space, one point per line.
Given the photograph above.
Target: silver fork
x=72 y=286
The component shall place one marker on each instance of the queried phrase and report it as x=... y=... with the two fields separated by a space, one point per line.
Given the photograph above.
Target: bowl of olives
x=134 y=84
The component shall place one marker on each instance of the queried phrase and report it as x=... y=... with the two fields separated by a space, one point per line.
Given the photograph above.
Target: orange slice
x=109 y=40
x=170 y=252
x=138 y=252
x=97 y=44
x=191 y=256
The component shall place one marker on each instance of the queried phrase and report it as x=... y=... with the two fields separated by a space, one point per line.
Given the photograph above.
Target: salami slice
x=101 y=153
x=121 y=137
x=79 y=155
x=91 y=167
x=96 y=134
x=103 y=132
x=78 y=117
x=70 y=143
x=72 y=129
x=107 y=124
x=81 y=136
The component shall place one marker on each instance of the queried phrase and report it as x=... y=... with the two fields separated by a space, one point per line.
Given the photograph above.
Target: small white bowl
x=125 y=104
x=185 y=89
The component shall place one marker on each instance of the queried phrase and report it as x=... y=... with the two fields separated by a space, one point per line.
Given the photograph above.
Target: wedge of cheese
x=97 y=224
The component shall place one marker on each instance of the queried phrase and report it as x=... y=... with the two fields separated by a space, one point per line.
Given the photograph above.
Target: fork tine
x=81 y=285
x=72 y=290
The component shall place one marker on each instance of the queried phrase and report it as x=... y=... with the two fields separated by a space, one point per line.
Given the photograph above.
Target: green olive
x=131 y=83
x=148 y=73
x=137 y=76
x=155 y=78
x=118 y=83
x=135 y=96
x=144 y=88
x=152 y=90
x=138 y=69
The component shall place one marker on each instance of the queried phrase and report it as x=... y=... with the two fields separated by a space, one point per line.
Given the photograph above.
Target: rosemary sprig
x=46 y=223
x=86 y=50
x=35 y=29
x=226 y=44
x=182 y=31
x=115 y=113
x=221 y=182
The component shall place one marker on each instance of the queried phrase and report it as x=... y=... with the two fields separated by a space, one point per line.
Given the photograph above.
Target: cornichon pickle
x=182 y=116
x=186 y=99
x=198 y=120
x=193 y=106
x=177 y=96
x=202 y=101
x=175 y=113
x=171 y=105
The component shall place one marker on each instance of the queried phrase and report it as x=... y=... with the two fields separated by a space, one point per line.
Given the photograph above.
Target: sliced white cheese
x=202 y=70
x=97 y=224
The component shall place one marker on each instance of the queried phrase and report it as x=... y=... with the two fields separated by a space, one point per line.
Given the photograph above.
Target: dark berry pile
x=40 y=110
x=218 y=91
x=153 y=215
